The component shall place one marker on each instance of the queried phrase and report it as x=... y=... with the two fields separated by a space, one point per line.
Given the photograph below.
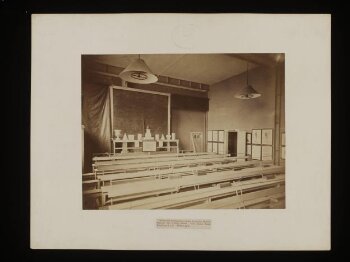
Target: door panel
x=232 y=143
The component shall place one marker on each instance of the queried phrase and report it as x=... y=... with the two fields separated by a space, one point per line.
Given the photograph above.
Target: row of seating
x=133 y=190
x=191 y=180
x=116 y=164
x=139 y=156
x=153 y=160
x=195 y=198
x=165 y=173
x=267 y=197
x=101 y=169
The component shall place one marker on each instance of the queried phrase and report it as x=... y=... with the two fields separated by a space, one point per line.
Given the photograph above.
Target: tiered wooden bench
x=147 y=156
x=191 y=180
x=154 y=160
x=91 y=182
x=183 y=171
x=203 y=198
x=133 y=162
x=103 y=168
x=134 y=190
x=246 y=200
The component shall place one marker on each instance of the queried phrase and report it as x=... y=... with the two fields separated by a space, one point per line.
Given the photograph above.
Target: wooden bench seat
x=195 y=196
x=159 y=162
x=243 y=200
x=147 y=156
x=104 y=169
x=93 y=181
x=121 y=177
x=92 y=191
x=155 y=160
x=132 y=189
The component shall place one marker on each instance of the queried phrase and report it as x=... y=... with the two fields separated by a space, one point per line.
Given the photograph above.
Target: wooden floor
x=183 y=181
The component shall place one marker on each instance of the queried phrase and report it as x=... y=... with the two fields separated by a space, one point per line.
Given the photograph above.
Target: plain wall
x=228 y=113
x=183 y=122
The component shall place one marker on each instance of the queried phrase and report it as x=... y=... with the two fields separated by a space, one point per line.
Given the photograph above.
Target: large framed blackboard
x=134 y=109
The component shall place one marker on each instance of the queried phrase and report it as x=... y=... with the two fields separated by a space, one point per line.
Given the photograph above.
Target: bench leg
x=103 y=198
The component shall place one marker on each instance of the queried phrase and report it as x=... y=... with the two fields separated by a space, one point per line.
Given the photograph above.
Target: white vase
x=117 y=134
x=148 y=134
x=125 y=137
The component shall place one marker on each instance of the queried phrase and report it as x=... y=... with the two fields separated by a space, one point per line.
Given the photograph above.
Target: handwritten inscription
x=184 y=223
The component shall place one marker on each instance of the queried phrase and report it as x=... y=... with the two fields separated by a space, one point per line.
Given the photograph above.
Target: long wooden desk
x=155 y=160
x=155 y=187
x=122 y=177
x=159 y=165
x=103 y=169
x=180 y=200
x=147 y=156
x=244 y=200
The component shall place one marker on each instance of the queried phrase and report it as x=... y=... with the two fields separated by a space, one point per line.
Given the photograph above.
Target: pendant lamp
x=138 y=72
x=247 y=92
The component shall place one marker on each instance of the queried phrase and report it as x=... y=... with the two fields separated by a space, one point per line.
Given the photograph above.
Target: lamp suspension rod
x=247 y=71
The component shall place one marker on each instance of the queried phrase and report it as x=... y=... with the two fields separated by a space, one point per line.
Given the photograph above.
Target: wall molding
x=114 y=71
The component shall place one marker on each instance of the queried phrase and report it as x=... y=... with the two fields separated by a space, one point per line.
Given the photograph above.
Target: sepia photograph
x=176 y=130
x=175 y=127
x=183 y=131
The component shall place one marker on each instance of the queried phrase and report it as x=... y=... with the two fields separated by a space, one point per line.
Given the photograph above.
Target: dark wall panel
x=134 y=111
x=189 y=103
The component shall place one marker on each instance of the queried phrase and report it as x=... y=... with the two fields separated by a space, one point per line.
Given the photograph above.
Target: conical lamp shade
x=247 y=92
x=138 y=72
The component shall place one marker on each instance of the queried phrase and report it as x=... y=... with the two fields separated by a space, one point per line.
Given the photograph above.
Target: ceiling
x=202 y=68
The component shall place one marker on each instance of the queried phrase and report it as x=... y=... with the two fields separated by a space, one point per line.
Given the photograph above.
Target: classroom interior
x=183 y=131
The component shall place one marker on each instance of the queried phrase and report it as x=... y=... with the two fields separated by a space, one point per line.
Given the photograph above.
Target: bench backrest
x=166 y=164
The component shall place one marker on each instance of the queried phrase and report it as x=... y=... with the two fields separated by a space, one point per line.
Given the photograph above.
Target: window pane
x=215 y=147
x=221 y=148
x=210 y=135
x=221 y=136
x=215 y=136
x=210 y=147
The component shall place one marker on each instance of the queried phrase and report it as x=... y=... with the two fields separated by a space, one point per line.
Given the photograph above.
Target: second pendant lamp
x=247 y=92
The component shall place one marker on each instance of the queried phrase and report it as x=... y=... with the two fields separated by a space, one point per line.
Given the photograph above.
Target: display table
x=128 y=146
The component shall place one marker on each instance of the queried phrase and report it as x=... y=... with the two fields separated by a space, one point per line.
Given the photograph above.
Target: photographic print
x=215 y=135
x=138 y=117
x=221 y=148
x=283 y=152
x=266 y=153
x=249 y=138
x=210 y=147
x=283 y=139
x=256 y=136
x=256 y=152
x=249 y=150
x=215 y=148
x=112 y=113
x=210 y=135
x=221 y=136
x=266 y=137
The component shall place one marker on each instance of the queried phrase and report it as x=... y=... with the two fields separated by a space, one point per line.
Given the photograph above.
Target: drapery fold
x=97 y=122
